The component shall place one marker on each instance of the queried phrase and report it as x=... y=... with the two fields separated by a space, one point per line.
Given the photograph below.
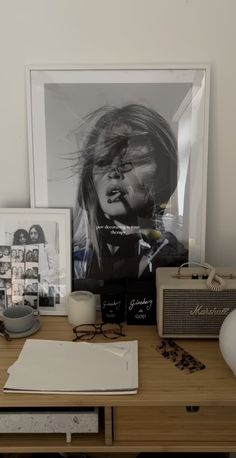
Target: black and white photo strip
x=15 y=272
x=29 y=266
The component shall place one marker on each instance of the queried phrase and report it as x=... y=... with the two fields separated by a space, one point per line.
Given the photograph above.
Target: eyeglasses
x=88 y=331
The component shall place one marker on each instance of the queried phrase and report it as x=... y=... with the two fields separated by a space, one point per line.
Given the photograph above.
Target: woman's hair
x=41 y=236
x=110 y=131
x=16 y=238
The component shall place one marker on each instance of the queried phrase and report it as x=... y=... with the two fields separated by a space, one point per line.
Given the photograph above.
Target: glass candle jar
x=81 y=308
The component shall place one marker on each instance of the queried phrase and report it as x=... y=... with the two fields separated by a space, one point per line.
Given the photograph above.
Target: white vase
x=227 y=340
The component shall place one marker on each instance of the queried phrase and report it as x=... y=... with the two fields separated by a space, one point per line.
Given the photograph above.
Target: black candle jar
x=113 y=303
x=141 y=302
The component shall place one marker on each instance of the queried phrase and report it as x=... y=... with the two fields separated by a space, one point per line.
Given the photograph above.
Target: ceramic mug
x=18 y=318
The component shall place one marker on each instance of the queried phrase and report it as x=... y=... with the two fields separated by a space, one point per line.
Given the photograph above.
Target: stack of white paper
x=49 y=366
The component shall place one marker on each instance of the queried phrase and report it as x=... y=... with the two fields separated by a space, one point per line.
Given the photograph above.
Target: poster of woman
x=126 y=149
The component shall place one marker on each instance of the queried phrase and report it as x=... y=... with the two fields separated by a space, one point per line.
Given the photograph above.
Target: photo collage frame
x=35 y=259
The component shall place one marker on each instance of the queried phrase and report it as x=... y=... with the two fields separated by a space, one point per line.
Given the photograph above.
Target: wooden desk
x=155 y=419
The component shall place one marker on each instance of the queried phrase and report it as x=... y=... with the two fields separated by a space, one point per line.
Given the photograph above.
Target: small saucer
x=32 y=330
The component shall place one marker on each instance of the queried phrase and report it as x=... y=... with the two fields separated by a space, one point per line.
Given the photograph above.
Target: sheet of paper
x=72 y=367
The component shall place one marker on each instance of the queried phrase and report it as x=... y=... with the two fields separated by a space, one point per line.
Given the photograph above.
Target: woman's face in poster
x=22 y=238
x=125 y=182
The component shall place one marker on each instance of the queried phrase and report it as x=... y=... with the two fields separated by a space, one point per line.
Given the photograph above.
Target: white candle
x=81 y=308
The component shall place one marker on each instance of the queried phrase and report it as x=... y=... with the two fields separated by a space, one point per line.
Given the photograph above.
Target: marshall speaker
x=186 y=307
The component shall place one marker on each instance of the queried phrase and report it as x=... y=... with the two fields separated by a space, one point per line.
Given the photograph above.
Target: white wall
x=124 y=31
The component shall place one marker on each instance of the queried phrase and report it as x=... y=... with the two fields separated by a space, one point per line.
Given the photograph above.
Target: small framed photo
x=126 y=148
x=35 y=266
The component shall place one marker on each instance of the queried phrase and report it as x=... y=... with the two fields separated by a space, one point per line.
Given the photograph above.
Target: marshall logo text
x=210 y=310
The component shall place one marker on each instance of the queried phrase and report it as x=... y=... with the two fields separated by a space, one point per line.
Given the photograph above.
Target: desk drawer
x=40 y=421
x=175 y=424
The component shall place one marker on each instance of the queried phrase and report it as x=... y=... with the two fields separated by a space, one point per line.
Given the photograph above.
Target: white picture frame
x=59 y=97
x=35 y=258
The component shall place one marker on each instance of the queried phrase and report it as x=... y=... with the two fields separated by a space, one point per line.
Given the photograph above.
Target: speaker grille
x=196 y=311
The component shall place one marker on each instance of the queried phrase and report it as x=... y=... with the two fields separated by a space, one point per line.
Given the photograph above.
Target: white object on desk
x=51 y=366
x=81 y=308
x=227 y=340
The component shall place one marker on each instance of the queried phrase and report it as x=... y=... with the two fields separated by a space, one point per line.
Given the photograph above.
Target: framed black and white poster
x=126 y=149
x=35 y=261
